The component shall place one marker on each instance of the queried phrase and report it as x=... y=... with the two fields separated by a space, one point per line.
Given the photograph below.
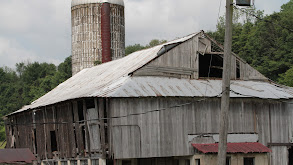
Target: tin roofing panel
x=164 y=86
x=233 y=148
x=98 y=80
x=16 y=156
x=112 y=79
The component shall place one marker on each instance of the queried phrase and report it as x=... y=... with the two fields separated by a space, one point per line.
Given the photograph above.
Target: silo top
x=81 y=2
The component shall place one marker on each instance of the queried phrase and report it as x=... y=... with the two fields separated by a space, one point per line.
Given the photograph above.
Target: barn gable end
x=197 y=58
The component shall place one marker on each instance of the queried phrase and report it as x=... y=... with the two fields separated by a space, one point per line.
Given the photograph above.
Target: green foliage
x=2 y=134
x=133 y=48
x=29 y=82
x=136 y=47
x=97 y=63
x=265 y=45
x=287 y=78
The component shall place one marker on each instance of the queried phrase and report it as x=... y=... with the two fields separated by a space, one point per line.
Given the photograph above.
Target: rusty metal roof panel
x=16 y=156
x=251 y=147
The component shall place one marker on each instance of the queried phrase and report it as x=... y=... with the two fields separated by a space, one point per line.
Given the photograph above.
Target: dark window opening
x=53 y=141
x=210 y=66
x=237 y=69
x=291 y=155
x=90 y=103
x=228 y=160
x=248 y=161
x=80 y=110
x=35 y=137
x=187 y=162
x=197 y=161
x=126 y=162
x=83 y=136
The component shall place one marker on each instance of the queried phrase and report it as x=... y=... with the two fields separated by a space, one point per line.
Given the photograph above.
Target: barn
x=158 y=106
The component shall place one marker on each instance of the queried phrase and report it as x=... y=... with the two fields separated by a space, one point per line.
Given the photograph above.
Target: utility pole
x=225 y=100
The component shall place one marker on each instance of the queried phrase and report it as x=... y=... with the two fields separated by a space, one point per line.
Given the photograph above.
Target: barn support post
x=99 y=106
x=86 y=128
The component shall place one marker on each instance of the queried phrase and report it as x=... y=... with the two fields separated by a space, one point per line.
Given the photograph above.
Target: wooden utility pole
x=225 y=101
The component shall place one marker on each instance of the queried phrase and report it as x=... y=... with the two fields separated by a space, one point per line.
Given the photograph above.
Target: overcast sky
x=40 y=30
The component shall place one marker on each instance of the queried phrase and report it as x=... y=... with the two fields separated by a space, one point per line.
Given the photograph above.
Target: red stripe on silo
x=106 y=33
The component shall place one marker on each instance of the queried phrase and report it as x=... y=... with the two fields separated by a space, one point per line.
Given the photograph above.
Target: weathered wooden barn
x=155 y=107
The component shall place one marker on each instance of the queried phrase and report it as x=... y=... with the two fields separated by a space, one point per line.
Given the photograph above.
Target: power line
x=143 y=113
x=259 y=18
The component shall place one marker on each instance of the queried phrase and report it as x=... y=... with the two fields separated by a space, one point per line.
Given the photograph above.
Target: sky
x=40 y=30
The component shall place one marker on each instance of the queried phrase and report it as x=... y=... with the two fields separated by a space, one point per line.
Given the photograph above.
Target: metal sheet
x=96 y=80
x=233 y=148
x=163 y=86
x=113 y=79
x=16 y=156
x=81 y=2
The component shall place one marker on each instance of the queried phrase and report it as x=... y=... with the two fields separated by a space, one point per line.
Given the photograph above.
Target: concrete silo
x=98 y=32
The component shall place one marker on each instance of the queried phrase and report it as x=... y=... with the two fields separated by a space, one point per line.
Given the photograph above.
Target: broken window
x=53 y=141
x=210 y=65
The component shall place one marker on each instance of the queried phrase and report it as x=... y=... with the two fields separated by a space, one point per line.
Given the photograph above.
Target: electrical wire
x=259 y=18
x=219 y=12
x=115 y=117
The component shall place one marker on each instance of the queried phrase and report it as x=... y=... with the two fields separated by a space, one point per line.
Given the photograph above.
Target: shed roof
x=113 y=79
x=16 y=156
x=233 y=148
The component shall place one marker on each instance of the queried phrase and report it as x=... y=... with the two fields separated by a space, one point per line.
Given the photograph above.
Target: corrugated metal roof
x=16 y=156
x=113 y=79
x=233 y=148
x=100 y=80
x=80 y=2
x=164 y=86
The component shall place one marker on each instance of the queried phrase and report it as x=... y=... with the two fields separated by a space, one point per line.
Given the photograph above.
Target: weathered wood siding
x=33 y=129
x=182 y=61
x=165 y=133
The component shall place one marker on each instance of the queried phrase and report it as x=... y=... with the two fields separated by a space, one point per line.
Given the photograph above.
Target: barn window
x=210 y=65
x=53 y=141
x=248 y=161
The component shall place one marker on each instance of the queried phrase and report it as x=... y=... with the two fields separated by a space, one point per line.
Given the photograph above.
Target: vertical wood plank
x=87 y=135
x=78 y=131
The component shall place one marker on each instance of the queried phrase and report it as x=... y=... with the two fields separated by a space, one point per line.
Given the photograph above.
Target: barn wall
x=66 y=121
x=165 y=133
